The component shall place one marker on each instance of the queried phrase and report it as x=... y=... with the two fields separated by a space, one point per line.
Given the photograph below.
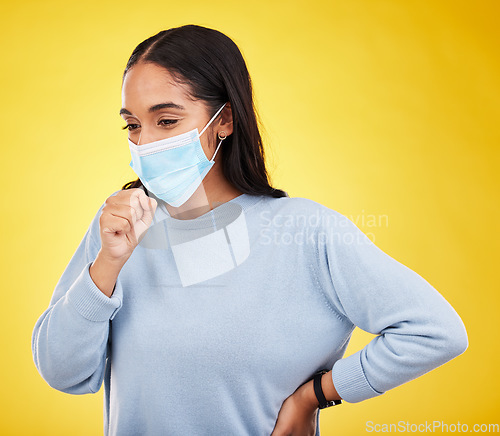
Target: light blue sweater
x=215 y=321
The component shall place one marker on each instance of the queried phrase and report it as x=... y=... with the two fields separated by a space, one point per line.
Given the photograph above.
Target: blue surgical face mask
x=173 y=168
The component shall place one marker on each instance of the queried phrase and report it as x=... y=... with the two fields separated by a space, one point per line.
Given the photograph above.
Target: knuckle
x=132 y=213
x=128 y=225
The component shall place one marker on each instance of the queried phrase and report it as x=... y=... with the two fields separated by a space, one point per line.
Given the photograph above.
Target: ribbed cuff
x=90 y=302
x=350 y=381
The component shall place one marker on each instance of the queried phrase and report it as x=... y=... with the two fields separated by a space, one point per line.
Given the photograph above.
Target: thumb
x=149 y=211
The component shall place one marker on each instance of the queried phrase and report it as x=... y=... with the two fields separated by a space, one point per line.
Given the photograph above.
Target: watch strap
x=318 y=390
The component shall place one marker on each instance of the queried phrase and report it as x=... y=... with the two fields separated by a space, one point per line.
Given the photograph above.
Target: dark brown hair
x=213 y=66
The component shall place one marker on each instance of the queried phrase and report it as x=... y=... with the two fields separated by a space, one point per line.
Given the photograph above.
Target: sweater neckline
x=223 y=213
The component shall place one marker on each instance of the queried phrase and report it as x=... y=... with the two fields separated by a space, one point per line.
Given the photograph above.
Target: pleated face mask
x=173 y=168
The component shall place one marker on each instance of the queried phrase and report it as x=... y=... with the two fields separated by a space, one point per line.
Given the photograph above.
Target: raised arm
x=69 y=340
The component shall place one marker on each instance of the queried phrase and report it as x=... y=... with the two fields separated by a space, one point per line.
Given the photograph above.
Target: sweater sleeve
x=69 y=340
x=417 y=329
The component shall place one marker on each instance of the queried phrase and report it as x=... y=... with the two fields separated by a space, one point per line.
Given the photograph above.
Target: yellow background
x=372 y=108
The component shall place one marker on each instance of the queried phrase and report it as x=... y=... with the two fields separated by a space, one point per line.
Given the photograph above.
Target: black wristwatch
x=318 y=390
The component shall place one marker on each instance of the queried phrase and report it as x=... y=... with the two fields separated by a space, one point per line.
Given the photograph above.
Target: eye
x=166 y=122
x=131 y=127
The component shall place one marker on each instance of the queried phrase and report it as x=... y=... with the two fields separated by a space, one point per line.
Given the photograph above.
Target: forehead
x=147 y=83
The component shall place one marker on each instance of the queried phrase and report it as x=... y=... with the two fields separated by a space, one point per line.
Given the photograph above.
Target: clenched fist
x=124 y=221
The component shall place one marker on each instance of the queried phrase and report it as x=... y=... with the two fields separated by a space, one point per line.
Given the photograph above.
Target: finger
x=116 y=224
x=123 y=210
x=144 y=200
x=147 y=218
x=148 y=203
x=140 y=198
x=135 y=202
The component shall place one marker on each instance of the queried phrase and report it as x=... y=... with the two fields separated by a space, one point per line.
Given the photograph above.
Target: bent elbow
x=60 y=377
x=460 y=340
x=456 y=340
x=70 y=386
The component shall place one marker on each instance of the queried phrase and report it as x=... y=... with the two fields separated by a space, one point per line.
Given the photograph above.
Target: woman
x=212 y=303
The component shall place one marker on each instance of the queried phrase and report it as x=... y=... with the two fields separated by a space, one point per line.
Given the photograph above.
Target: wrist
x=104 y=274
x=328 y=387
x=308 y=397
x=113 y=263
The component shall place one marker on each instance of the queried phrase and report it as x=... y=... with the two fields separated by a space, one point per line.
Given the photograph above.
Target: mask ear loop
x=213 y=118
x=221 y=139
x=222 y=136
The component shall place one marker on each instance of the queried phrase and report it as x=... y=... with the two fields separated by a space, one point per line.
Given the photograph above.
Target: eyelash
x=131 y=127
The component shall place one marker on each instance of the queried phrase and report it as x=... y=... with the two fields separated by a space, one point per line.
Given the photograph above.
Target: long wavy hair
x=213 y=66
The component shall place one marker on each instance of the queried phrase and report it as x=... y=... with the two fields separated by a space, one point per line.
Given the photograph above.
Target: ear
x=226 y=120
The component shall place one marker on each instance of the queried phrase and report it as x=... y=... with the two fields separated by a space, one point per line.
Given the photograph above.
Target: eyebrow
x=157 y=107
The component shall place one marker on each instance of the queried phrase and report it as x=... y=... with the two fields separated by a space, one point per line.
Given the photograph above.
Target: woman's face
x=156 y=107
